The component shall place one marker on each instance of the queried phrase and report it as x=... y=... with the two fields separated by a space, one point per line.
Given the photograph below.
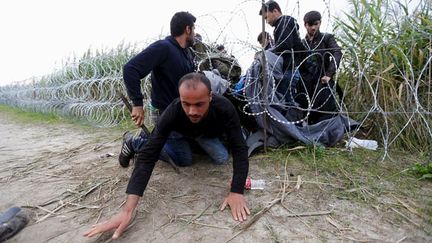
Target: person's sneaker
x=126 y=152
x=13 y=225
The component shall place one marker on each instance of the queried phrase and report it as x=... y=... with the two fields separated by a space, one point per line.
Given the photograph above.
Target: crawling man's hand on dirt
x=119 y=222
x=237 y=204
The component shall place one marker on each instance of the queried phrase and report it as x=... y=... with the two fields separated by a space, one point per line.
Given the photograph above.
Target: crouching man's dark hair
x=192 y=79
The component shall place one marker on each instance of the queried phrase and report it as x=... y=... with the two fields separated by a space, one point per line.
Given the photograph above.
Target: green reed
x=387 y=65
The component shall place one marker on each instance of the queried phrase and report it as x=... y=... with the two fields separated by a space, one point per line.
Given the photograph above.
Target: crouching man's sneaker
x=126 y=152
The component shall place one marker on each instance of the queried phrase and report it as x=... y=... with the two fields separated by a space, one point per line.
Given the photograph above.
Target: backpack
x=208 y=58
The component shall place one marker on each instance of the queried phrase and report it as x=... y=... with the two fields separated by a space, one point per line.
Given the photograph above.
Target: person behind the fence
x=198 y=37
x=288 y=44
x=324 y=59
x=221 y=48
x=266 y=42
x=198 y=115
x=167 y=60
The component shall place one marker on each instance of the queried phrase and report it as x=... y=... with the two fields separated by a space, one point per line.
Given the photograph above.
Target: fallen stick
x=191 y=214
x=41 y=208
x=52 y=175
x=199 y=214
x=355 y=189
x=189 y=221
x=405 y=217
x=299 y=218
x=49 y=202
x=285 y=181
x=46 y=210
x=399 y=241
x=234 y=236
x=49 y=214
x=314 y=182
x=83 y=206
x=260 y=213
x=93 y=188
x=98 y=218
x=71 y=201
x=299 y=182
x=121 y=204
x=181 y=195
x=265 y=209
x=408 y=207
x=307 y=214
x=357 y=240
x=254 y=218
x=207 y=225
x=296 y=148
x=336 y=224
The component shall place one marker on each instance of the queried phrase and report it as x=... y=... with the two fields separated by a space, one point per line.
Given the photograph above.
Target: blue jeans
x=287 y=87
x=178 y=148
x=214 y=148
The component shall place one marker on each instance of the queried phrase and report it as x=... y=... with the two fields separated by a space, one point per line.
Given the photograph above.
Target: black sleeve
x=149 y=154
x=285 y=34
x=139 y=67
x=239 y=150
x=336 y=52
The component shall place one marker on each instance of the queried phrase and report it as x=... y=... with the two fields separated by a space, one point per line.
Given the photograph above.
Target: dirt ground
x=61 y=175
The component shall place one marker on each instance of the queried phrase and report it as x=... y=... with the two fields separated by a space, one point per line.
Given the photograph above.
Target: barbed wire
x=88 y=88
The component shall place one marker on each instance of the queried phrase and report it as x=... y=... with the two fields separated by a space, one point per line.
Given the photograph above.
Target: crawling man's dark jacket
x=221 y=119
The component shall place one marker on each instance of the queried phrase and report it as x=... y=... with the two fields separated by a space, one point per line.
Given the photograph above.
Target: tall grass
x=387 y=70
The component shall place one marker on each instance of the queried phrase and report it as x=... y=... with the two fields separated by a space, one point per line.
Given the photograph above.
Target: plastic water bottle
x=254 y=184
x=362 y=143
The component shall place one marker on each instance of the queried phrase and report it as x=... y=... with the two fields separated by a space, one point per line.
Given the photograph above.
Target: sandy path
x=41 y=162
x=58 y=168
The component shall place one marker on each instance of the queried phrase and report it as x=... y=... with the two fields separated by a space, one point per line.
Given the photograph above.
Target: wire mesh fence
x=385 y=73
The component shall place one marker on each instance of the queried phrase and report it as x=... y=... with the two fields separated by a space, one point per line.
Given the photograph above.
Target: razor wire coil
x=88 y=89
